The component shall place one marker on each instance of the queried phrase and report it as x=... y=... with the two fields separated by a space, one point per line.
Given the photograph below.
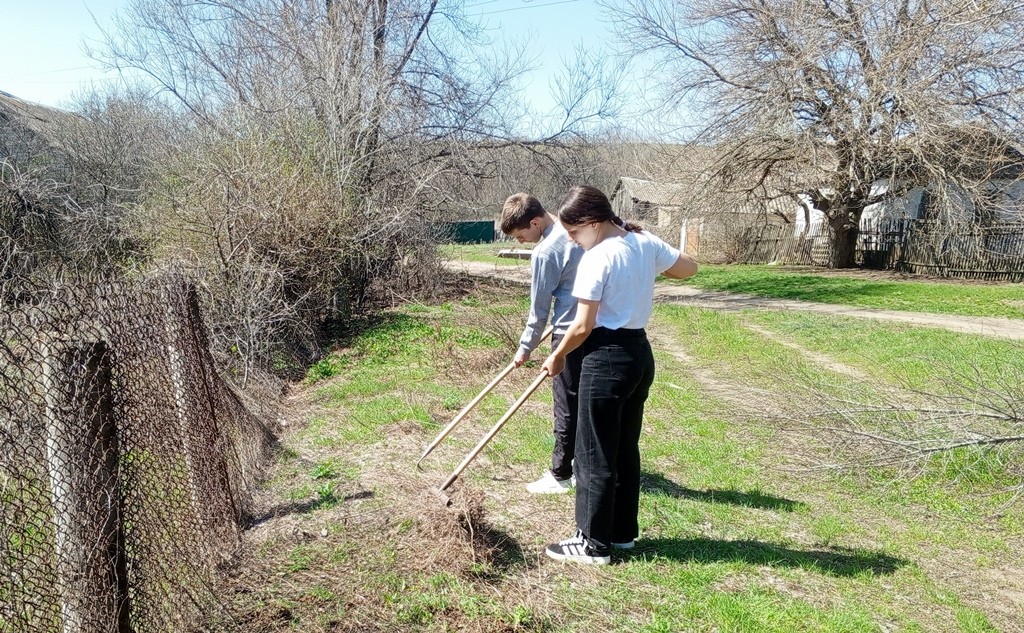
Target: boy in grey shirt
x=552 y=272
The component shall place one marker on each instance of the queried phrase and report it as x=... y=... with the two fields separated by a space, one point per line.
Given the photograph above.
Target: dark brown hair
x=518 y=210
x=583 y=204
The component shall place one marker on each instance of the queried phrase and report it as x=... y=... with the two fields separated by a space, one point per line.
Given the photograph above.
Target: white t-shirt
x=619 y=272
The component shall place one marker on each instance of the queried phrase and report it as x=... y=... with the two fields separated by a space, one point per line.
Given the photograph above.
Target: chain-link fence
x=126 y=464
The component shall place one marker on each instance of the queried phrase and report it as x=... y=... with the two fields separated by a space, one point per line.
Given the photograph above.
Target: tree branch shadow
x=835 y=561
x=655 y=483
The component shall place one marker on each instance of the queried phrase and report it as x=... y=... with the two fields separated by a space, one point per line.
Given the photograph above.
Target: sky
x=41 y=50
x=41 y=41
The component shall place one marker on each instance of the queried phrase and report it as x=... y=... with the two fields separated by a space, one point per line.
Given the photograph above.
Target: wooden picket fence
x=971 y=252
x=776 y=243
x=994 y=252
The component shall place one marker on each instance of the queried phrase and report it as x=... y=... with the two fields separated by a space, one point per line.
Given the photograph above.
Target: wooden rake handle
x=472 y=403
x=494 y=430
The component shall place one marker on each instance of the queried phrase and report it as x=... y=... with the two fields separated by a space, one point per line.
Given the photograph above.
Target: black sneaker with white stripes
x=578 y=550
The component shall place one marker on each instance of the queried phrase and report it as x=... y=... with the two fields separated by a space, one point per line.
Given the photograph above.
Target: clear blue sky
x=41 y=41
x=41 y=53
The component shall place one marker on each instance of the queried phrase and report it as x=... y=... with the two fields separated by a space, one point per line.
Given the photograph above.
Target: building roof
x=662 y=194
x=29 y=114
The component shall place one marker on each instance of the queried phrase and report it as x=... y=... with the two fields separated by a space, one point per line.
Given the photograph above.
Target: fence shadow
x=835 y=561
x=302 y=507
x=657 y=484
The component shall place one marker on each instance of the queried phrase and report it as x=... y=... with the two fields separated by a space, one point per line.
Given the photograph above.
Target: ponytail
x=627 y=226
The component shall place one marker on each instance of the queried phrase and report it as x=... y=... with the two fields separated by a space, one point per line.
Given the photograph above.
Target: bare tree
x=319 y=137
x=841 y=103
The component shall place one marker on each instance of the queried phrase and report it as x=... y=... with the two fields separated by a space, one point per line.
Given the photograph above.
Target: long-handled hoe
x=440 y=492
x=472 y=404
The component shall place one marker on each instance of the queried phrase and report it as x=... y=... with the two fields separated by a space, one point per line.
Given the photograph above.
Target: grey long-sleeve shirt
x=552 y=274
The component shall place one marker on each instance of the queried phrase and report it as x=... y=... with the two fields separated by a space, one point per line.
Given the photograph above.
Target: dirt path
x=986 y=326
x=741 y=399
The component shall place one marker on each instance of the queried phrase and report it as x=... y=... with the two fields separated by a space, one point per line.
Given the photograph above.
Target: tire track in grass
x=739 y=396
x=817 y=358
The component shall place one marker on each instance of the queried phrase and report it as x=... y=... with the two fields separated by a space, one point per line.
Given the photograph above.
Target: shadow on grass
x=656 y=484
x=501 y=551
x=834 y=561
x=309 y=505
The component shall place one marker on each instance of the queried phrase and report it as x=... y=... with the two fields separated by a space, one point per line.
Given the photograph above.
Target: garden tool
x=440 y=492
x=472 y=403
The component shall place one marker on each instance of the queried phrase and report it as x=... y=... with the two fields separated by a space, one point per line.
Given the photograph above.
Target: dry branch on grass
x=969 y=420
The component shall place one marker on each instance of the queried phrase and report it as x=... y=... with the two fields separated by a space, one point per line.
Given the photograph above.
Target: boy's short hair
x=518 y=210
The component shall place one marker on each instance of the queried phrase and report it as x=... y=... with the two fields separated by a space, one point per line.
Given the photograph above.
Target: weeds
x=732 y=538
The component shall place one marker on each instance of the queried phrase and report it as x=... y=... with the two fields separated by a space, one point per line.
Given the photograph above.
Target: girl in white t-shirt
x=615 y=290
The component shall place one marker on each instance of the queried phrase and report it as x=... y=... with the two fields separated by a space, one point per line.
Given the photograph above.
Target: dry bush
x=65 y=196
x=45 y=233
x=254 y=225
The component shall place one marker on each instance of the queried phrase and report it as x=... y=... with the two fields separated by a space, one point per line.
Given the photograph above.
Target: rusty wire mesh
x=126 y=464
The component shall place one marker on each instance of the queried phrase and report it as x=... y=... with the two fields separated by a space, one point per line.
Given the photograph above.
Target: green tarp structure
x=467 y=232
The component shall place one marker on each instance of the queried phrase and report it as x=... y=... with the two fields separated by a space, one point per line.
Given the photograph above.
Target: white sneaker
x=576 y=549
x=549 y=485
x=626 y=545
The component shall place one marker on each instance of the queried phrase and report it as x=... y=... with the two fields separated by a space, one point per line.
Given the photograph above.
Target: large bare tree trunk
x=844 y=248
x=845 y=225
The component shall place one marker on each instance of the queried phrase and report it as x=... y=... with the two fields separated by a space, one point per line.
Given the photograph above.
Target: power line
x=51 y=72
x=527 y=6
x=479 y=4
x=62 y=82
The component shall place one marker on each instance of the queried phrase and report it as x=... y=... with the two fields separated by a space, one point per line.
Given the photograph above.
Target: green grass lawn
x=945 y=297
x=487 y=252
x=733 y=538
x=959 y=369
x=916 y=357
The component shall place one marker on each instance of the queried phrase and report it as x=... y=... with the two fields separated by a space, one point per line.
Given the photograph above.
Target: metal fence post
x=82 y=464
